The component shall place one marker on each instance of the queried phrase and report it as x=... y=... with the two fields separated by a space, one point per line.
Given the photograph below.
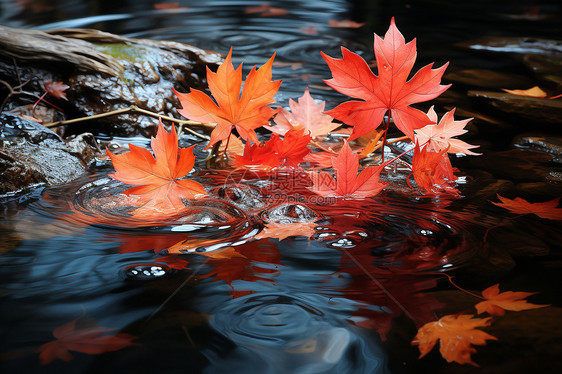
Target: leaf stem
x=136 y=109
x=384 y=136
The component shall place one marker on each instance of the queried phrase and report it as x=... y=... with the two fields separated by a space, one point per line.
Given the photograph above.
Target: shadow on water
x=205 y=291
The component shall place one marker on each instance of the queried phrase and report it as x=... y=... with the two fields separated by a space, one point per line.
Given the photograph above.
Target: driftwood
x=38 y=46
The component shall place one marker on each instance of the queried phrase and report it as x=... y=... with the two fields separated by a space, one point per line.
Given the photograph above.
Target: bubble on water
x=146 y=272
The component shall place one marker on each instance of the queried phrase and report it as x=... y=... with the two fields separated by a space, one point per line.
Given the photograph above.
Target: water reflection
x=296 y=333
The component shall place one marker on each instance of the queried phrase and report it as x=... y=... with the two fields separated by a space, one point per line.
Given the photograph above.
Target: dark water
x=347 y=300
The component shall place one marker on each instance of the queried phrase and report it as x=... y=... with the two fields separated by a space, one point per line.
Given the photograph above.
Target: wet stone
x=546 y=144
x=531 y=108
x=516 y=165
x=515 y=45
x=137 y=72
x=31 y=154
x=485 y=78
x=517 y=243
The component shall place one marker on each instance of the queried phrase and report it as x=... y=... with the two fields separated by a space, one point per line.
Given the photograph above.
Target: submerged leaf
x=90 y=340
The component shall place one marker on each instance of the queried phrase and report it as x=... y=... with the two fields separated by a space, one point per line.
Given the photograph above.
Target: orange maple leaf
x=439 y=137
x=547 y=210
x=347 y=182
x=457 y=334
x=389 y=91
x=305 y=114
x=531 y=92
x=244 y=112
x=497 y=303
x=89 y=340
x=284 y=230
x=432 y=171
x=158 y=178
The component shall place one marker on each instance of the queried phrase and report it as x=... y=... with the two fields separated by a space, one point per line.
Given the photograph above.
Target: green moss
x=120 y=51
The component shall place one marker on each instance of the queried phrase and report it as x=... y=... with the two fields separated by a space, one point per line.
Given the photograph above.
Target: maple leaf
x=245 y=112
x=438 y=137
x=456 y=334
x=531 y=92
x=305 y=114
x=347 y=182
x=387 y=92
x=432 y=170
x=547 y=210
x=89 y=340
x=158 y=178
x=284 y=230
x=56 y=89
x=497 y=303
x=276 y=152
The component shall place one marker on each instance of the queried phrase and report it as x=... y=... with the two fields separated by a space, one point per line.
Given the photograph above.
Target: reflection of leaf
x=89 y=340
x=244 y=112
x=158 y=178
x=547 y=210
x=497 y=303
x=347 y=182
x=305 y=114
x=531 y=92
x=284 y=230
x=390 y=90
x=456 y=334
x=345 y=24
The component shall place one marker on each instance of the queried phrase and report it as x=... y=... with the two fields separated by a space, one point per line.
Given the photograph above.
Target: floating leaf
x=497 y=303
x=456 y=334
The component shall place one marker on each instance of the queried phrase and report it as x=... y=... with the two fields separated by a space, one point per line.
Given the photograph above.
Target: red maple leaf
x=275 y=152
x=457 y=334
x=347 y=182
x=56 y=89
x=497 y=303
x=305 y=114
x=158 y=178
x=547 y=210
x=244 y=112
x=432 y=171
x=388 y=91
x=90 y=340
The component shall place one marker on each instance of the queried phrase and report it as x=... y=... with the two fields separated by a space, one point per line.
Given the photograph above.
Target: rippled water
x=202 y=290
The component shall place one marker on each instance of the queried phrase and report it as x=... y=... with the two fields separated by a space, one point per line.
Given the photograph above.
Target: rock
x=535 y=109
x=515 y=165
x=31 y=154
x=485 y=78
x=546 y=144
x=547 y=67
x=516 y=45
x=113 y=73
x=542 y=56
x=516 y=242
